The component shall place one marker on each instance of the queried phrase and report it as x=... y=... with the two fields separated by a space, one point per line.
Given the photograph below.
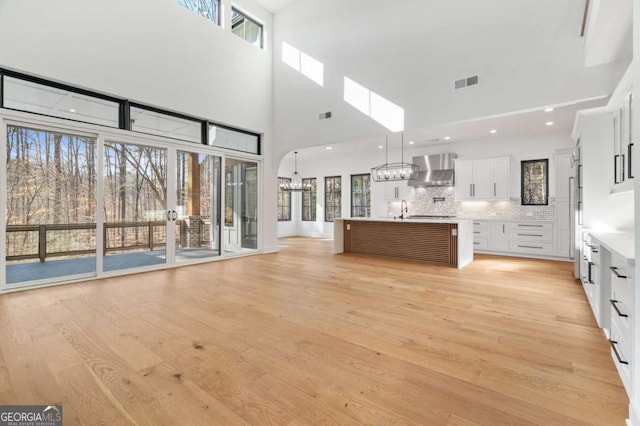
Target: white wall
x=154 y=52
x=344 y=162
x=527 y=54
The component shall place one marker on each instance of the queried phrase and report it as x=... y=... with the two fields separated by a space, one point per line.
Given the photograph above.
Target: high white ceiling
x=516 y=125
x=273 y=5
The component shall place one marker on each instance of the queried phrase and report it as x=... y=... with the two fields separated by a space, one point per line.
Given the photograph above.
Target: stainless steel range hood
x=435 y=170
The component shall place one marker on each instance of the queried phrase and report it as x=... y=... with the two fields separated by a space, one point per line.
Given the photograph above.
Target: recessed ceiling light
x=380 y=146
x=548 y=109
x=446 y=138
x=492 y=131
x=411 y=142
x=549 y=123
x=72 y=110
x=329 y=148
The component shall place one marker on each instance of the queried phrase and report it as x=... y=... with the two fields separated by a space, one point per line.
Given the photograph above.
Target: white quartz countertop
x=390 y=219
x=496 y=219
x=622 y=243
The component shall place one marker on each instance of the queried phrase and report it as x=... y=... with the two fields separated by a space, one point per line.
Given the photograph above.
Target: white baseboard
x=270 y=249
x=634 y=414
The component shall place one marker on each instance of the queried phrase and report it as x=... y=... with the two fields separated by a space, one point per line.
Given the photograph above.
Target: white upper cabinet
x=397 y=191
x=464 y=179
x=501 y=176
x=483 y=179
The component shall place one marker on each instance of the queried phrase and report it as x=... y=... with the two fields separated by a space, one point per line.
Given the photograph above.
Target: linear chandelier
x=394 y=171
x=296 y=180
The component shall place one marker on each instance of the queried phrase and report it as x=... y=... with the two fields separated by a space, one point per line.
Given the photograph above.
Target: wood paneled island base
x=445 y=243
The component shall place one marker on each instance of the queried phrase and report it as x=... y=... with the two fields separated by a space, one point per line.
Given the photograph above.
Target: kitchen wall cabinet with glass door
x=622 y=105
x=622 y=142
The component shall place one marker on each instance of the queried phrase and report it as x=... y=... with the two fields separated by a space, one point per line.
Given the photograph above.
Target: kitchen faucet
x=403 y=210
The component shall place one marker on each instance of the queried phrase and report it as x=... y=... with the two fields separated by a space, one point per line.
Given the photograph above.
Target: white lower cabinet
x=622 y=311
x=499 y=236
x=531 y=238
x=514 y=238
x=480 y=234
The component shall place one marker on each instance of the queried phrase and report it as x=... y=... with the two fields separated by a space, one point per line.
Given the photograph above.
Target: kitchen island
x=441 y=241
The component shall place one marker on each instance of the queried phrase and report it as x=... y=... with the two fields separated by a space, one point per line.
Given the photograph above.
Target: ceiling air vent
x=465 y=82
x=325 y=115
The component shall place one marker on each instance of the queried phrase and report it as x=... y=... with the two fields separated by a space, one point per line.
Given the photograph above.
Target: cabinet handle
x=522 y=225
x=590 y=272
x=615 y=271
x=579 y=176
x=476 y=244
x=615 y=169
x=473 y=185
x=615 y=306
x=629 y=172
x=622 y=168
x=532 y=247
x=470 y=190
x=503 y=228
x=615 y=351
x=530 y=235
x=494 y=189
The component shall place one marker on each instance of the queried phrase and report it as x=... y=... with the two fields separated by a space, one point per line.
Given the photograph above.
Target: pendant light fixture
x=296 y=181
x=394 y=171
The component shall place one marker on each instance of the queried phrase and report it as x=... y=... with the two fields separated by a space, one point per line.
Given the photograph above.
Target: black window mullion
x=1 y=89
x=205 y=132
x=125 y=115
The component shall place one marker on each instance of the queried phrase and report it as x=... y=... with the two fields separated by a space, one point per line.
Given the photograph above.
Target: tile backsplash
x=442 y=201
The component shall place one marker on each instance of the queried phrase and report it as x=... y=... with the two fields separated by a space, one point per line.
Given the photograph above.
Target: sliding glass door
x=135 y=206
x=241 y=206
x=80 y=205
x=50 y=229
x=197 y=223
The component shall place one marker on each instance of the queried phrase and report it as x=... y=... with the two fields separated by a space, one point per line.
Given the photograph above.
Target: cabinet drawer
x=532 y=226
x=531 y=247
x=621 y=355
x=480 y=228
x=531 y=235
x=480 y=243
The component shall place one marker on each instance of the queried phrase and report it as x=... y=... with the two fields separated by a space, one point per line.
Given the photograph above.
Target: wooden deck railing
x=108 y=246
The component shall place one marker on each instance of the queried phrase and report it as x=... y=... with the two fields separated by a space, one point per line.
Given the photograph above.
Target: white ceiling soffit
x=608 y=32
x=520 y=124
x=274 y=6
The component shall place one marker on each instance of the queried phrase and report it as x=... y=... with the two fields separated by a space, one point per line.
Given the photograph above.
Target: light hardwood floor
x=307 y=337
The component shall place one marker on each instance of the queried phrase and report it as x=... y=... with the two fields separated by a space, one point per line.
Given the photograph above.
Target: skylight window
x=303 y=63
x=373 y=105
x=206 y=8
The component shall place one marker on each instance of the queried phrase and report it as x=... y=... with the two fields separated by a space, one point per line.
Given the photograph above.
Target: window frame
x=199 y=11
x=284 y=211
x=124 y=116
x=523 y=165
x=367 y=206
x=250 y=19
x=333 y=204
x=313 y=199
